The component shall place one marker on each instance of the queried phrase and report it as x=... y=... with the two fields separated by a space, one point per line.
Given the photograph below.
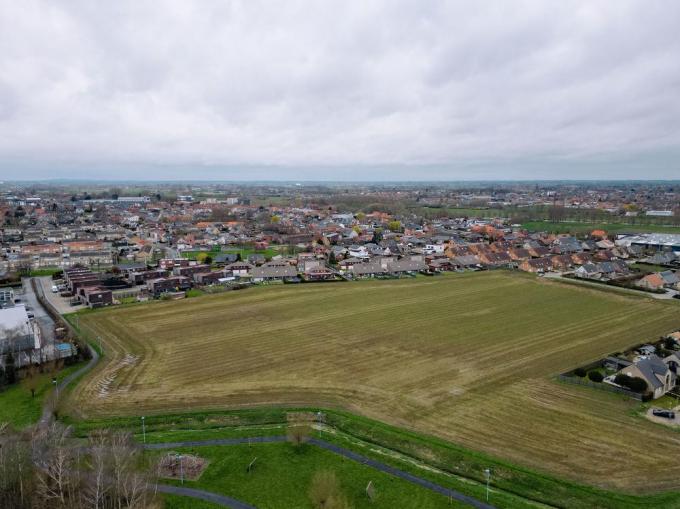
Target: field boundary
x=600 y=387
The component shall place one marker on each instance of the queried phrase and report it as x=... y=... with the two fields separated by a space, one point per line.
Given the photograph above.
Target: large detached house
x=660 y=374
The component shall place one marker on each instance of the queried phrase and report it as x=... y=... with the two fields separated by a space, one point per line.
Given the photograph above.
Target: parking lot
x=61 y=304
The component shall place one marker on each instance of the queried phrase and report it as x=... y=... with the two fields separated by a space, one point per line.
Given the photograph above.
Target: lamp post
x=56 y=387
x=143 y=430
x=487 y=473
x=181 y=468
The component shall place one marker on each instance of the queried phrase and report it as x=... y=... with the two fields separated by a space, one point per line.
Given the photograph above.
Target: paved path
x=359 y=458
x=204 y=495
x=47 y=415
x=218 y=441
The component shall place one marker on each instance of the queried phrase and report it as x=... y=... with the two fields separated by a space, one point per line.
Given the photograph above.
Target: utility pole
x=487 y=473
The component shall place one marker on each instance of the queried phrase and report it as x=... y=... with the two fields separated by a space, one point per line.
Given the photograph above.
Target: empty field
x=467 y=358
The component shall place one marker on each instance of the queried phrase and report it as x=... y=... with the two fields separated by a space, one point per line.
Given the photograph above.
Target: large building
x=658 y=241
x=20 y=336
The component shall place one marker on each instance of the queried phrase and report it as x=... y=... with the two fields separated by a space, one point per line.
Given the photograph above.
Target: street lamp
x=143 y=430
x=56 y=387
x=181 y=469
x=487 y=473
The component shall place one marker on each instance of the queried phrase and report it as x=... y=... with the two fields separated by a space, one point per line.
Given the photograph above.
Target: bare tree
x=32 y=379
x=298 y=434
x=16 y=477
x=54 y=462
x=97 y=486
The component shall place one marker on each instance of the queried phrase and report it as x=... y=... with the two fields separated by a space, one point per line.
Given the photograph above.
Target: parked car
x=55 y=289
x=30 y=314
x=666 y=414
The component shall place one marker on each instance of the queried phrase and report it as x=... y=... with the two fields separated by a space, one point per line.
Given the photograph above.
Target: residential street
x=43 y=319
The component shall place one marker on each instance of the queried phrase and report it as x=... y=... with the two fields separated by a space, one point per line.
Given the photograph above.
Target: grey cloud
x=484 y=88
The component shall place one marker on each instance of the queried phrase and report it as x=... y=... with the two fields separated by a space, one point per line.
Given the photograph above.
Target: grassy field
x=584 y=228
x=19 y=408
x=425 y=456
x=287 y=473
x=467 y=358
x=648 y=267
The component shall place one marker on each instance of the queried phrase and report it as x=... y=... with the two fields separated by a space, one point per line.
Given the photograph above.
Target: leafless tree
x=298 y=434
x=54 y=460
x=97 y=487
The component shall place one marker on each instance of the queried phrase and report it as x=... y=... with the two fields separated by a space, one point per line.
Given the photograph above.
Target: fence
x=601 y=386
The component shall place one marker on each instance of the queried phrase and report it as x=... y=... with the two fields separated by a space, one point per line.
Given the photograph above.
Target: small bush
x=638 y=385
x=595 y=376
x=580 y=372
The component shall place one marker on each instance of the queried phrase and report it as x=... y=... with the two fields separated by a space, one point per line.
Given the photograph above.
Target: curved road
x=359 y=458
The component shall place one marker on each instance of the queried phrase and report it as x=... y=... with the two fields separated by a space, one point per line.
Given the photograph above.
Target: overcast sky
x=371 y=90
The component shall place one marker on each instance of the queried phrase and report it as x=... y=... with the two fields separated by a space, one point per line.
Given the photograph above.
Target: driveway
x=662 y=420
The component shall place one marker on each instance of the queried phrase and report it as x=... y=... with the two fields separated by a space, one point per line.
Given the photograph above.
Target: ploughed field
x=468 y=358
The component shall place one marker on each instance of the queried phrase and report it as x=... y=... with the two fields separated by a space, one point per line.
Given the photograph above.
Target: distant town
x=68 y=249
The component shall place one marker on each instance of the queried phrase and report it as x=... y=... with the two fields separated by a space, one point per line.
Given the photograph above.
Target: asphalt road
x=359 y=458
x=44 y=320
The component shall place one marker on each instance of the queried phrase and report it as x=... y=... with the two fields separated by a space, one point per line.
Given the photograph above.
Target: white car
x=55 y=288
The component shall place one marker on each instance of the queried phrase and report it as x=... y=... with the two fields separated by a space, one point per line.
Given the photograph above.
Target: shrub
x=580 y=372
x=633 y=383
x=637 y=384
x=595 y=376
